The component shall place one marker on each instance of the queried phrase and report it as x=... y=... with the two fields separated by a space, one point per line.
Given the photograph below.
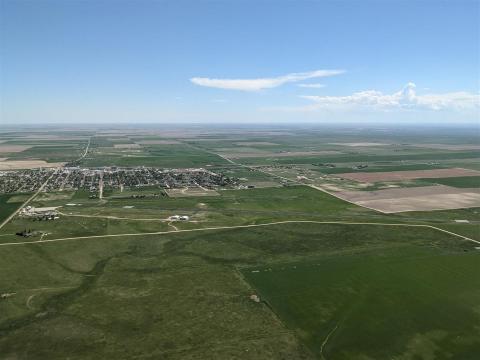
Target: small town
x=92 y=180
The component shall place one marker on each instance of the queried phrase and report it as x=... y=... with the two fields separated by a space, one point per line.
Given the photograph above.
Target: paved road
x=241 y=227
x=27 y=201
x=86 y=150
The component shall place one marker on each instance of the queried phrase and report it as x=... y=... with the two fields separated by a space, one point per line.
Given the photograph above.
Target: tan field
x=126 y=146
x=408 y=175
x=424 y=198
x=159 y=142
x=5 y=148
x=26 y=164
x=357 y=144
x=191 y=192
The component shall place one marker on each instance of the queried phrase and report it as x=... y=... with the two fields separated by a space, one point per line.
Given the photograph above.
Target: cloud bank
x=262 y=83
x=405 y=99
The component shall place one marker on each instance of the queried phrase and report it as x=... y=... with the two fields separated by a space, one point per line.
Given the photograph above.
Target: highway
x=5 y=222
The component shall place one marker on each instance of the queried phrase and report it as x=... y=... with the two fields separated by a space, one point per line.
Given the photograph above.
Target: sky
x=359 y=61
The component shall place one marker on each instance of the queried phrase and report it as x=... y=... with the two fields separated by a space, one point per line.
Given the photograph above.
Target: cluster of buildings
x=40 y=213
x=12 y=181
x=75 y=178
x=179 y=218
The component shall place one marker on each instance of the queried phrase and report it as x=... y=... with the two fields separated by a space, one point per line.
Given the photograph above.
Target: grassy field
x=6 y=207
x=363 y=158
x=387 y=167
x=180 y=296
x=50 y=153
x=400 y=303
x=459 y=182
x=163 y=156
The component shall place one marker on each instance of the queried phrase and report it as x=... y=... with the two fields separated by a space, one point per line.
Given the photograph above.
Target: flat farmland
x=27 y=164
x=50 y=153
x=12 y=148
x=459 y=182
x=425 y=198
x=369 y=158
x=408 y=175
x=162 y=156
x=252 y=153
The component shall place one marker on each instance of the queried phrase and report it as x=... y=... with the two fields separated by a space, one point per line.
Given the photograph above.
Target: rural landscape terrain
x=239 y=242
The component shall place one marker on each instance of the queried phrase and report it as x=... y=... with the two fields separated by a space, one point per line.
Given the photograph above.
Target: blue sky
x=239 y=61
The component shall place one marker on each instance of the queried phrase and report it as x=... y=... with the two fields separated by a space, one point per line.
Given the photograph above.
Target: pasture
x=391 y=303
x=178 y=295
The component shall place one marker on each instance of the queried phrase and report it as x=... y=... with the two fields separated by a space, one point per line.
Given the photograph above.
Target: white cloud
x=312 y=86
x=406 y=98
x=262 y=83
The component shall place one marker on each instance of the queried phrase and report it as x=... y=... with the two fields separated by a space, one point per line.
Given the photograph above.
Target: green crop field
x=356 y=157
x=460 y=182
x=411 y=303
x=386 y=167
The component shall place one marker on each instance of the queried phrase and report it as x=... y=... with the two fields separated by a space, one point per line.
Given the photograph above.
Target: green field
x=386 y=167
x=362 y=158
x=397 y=303
x=459 y=182
x=163 y=156
x=124 y=297
x=6 y=207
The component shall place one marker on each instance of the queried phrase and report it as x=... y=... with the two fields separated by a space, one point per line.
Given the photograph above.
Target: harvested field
x=424 y=198
x=187 y=192
x=126 y=146
x=27 y=164
x=356 y=144
x=6 y=148
x=408 y=175
x=158 y=142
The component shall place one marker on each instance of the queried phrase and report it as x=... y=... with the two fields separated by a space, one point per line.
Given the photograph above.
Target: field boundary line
x=239 y=227
x=325 y=341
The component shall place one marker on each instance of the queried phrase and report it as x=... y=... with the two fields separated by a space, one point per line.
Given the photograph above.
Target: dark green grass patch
x=50 y=153
x=7 y=208
x=357 y=157
x=154 y=158
x=379 y=305
x=389 y=167
x=459 y=182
